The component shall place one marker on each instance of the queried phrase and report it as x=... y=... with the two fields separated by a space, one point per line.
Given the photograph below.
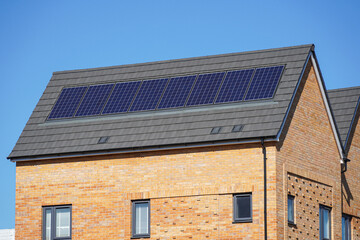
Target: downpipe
x=265 y=189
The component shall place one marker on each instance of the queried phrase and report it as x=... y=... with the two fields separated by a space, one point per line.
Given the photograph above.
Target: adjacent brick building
x=177 y=150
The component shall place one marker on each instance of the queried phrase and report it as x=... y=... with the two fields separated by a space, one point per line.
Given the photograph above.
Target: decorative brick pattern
x=355 y=228
x=308 y=195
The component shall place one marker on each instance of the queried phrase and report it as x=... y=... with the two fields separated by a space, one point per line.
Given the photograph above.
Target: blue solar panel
x=205 y=89
x=234 y=86
x=264 y=83
x=67 y=102
x=94 y=100
x=176 y=92
x=121 y=97
x=149 y=95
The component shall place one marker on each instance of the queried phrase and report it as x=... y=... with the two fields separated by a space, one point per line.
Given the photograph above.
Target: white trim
x=326 y=102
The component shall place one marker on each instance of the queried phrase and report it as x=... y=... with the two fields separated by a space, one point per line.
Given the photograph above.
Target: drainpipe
x=345 y=160
x=265 y=189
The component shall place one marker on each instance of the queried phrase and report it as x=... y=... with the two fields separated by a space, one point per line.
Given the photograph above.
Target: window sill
x=140 y=236
x=242 y=221
x=292 y=224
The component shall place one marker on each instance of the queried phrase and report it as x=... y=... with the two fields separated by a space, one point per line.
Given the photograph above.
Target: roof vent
x=237 y=128
x=215 y=130
x=103 y=140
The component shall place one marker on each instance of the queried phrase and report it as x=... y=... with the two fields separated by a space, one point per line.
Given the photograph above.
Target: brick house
x=233 y=146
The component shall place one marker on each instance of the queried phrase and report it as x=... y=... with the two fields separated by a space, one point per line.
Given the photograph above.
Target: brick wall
x=308 y=150
x=351 y=182
x=190 y=192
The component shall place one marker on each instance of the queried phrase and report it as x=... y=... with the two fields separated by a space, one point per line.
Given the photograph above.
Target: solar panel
x=176 y=92
x=264 y=83
x=205 y=89
x=234 y=86
x=94 y=100
x=67 y=102
x=149 y=95
x=121 y=97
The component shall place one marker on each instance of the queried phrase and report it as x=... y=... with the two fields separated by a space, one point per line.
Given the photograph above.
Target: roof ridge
x=180 y=59
x=343 y=89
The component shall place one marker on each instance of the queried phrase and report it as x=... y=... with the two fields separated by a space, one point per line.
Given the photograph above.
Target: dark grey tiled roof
x=343 y=103
x=162 y=127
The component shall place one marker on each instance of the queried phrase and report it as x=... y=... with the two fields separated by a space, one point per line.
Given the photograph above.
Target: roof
x=261 y=118
x=344 y=103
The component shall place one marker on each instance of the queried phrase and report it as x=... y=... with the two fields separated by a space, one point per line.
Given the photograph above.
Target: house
x=236 y=146
x=7 y=234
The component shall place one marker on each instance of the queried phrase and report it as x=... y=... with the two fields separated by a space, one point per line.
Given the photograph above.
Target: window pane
x=48 y=224
x=326 y=223
x=141 y=218
x=291 y=209
x=343 y=228
x=63 y=222
x=243 y=207
x=346 y=229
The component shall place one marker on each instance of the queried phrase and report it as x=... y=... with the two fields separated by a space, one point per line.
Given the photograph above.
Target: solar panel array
x=67 y=102
x=205 y=89
x=177 y=92
x=121 y=97
x=94 y=100
x=165 y=93
x=149 y=95
x=264 y=83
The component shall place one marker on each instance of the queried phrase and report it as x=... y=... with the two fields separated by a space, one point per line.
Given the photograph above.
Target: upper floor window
x=141 y=219
x=242 y=207
x=346 y=227
x=57 y=222
x=291 y=209
x=325 y=223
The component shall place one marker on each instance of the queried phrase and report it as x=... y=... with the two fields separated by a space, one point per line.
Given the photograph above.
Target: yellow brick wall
x=351 y=183
x=351 y=178
x=309 y=151
x=190 y=192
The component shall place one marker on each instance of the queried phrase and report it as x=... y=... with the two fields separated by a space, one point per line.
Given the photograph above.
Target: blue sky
x=40 y=37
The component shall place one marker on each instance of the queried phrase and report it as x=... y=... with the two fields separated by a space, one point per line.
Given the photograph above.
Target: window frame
x=53 y=221
x=235 y=208
x=133 y=219
x=293 y=207
x=348 y=220
x=321 y=227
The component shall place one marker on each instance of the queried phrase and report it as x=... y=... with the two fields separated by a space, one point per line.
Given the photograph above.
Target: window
x=291 y=215
x=242 y=208
x=141 y=219
x=325 y=223
x=57 y=222
x=346 y=227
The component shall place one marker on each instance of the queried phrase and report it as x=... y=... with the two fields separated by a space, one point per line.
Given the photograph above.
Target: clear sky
x=40 y=37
